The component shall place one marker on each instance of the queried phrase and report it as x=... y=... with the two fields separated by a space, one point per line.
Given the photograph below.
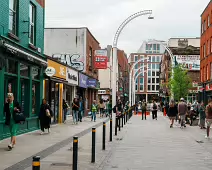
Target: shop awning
x=58 y=80
x=22 y=54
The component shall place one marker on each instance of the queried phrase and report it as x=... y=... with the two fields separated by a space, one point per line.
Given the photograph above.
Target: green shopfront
x=21 y=73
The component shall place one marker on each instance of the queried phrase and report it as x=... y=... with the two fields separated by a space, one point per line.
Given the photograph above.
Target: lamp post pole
x=115 y=42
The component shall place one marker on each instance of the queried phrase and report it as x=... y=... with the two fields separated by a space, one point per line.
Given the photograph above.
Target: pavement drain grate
x=60 y=164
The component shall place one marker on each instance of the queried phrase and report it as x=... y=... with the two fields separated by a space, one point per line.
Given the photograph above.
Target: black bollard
x=124 y=118
x=36 y=163
x=116 y=126
x=111 y=129
x=75 y=153
x=93 y=147
x=103 y=136
x=119 y=123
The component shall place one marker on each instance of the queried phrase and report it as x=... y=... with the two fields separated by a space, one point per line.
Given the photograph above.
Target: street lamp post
x=116 y=37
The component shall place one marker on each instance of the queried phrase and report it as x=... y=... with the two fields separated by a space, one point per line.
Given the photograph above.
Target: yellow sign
x=60 y=70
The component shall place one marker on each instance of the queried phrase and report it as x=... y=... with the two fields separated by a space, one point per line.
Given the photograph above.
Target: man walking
x=182 y=110
x=154 y=111
x=143 y=108
x=208 y=117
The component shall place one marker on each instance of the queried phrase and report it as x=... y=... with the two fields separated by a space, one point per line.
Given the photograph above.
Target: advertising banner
x=83 y=80
x=188 y=62
x=72 y=76
x=101 y=59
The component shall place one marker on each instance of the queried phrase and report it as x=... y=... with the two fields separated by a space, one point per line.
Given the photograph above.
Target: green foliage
x=180 y=83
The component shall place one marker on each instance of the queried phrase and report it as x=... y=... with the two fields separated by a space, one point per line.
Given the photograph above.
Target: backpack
x=143 y=107
x=114 y=109
x=154 y=106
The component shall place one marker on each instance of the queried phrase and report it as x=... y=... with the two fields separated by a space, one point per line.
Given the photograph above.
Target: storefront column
x=18 y=83
x=30 y=92
x=60 y=117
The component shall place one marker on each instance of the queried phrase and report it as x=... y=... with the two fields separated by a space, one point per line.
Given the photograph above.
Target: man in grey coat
x=182 y=110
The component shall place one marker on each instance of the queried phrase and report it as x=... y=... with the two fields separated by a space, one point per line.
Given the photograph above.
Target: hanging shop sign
x=91 y=83
x=72 y=76
x=83 y=80
x=50 y=71
x=101 y=59
x=60 y=70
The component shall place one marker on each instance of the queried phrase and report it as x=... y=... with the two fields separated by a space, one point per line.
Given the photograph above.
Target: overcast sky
x=173 y=18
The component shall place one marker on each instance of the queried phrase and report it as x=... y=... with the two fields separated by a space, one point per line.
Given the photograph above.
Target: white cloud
x=173 y=18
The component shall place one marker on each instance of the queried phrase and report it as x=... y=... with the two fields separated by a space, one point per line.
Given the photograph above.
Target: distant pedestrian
x=182 y=110
x=154 y=111
x=65 y=110
x=45 y=116
x=119 y=109
x=110 y=108
x=81 y=109
x=202 y=115
x=75 y=110
x=144 y=109
x=10 y=108
x=94 y=108
x=208 y=117
x=101 y=108
x=172 y=112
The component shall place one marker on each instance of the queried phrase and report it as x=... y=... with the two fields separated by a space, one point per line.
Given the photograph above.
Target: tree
x=180 y=83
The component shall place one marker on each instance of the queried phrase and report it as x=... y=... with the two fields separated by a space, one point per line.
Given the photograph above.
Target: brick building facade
x=206 y=53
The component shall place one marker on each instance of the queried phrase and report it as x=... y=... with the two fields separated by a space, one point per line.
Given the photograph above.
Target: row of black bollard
x=36 y=159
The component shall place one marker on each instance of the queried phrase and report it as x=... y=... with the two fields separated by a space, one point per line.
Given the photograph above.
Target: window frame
x=32 y=23
x=13 y=10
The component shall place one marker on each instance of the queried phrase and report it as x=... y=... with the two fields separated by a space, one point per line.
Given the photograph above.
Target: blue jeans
x=75 y=116
x=65 y=114
x=93 y=116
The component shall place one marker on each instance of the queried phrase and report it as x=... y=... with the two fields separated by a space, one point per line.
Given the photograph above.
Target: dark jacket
x=75 y=106
x=7 y=111
x=65 y=105
x=202 y=112
x=45 y=120
x=172 y=112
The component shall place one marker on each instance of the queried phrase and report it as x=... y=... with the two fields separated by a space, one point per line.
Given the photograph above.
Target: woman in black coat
x=172 y=112
x=45 y=116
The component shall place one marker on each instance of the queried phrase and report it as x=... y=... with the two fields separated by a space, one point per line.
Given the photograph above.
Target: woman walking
x=202 y=116
x=75 y=110
x=101 y=108
x=94 y=108
x=45 y=116
x=10 y=108
x=172 y=112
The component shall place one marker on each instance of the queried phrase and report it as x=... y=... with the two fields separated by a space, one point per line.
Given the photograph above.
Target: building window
x=149 y=88
x=157 y=87
x=136 y=58
x=211 y=70
x=153 y=87
x=204 y=25
x=211 y=45
x=24 y=70
x=207 y=74
x=208 y=50
x=202 y=29
x=11 y=66
x=204 y=51
x=136 y=66
x=13 y=16
x=158 y=48
x=141 y=87
x=90 y=57
x=141 y=80
x=136 y=87
x=32 y=23
x=208 y=21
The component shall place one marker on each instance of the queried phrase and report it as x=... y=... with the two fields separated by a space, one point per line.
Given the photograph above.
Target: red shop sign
x=100 y=62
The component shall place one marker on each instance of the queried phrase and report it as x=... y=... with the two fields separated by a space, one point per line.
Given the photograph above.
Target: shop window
x=24 y=70
x=11 y=66
x=35 y=73
x=35 y=97
x=24 y=97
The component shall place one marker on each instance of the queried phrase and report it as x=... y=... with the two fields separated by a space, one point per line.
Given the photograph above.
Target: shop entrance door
x=55 y=101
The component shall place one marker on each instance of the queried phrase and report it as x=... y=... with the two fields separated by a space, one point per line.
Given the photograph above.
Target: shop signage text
x=50 y=71
x=60 y=70
x=101 y=91
x=91 y=83
x=83 y=80
x=72 y=76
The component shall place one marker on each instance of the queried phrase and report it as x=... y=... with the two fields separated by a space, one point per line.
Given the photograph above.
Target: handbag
x=19 y=117
x=48 y=113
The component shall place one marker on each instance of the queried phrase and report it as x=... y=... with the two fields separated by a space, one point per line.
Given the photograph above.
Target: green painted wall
x=23 y=26
x=23 y=22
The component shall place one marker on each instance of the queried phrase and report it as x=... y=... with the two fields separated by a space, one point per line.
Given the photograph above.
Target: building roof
x=75 y=28
x=206 y=8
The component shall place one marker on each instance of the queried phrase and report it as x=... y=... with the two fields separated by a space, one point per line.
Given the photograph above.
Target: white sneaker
x=49 y=130
x=10 y=146
x=41 y=133
x=207 y=137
